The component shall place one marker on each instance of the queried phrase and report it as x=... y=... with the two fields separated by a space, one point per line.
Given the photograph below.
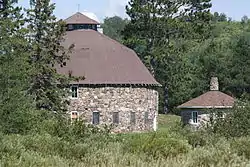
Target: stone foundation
x=124 y=100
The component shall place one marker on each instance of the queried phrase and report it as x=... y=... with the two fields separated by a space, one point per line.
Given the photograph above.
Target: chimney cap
x=214 y=84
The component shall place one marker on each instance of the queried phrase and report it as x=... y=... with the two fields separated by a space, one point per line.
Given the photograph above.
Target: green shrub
x=241 y=146
x=157 y=145
x=235 y=124
x=219 y=154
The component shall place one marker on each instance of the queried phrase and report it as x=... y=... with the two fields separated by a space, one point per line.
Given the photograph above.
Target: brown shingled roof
x=80 y=18
x=102 y=60
x=211 y=99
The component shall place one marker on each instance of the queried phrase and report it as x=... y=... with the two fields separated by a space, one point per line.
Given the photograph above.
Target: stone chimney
x=214 y=84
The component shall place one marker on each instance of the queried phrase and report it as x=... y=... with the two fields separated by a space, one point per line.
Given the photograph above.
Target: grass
x=166 y=122
x=169 y=147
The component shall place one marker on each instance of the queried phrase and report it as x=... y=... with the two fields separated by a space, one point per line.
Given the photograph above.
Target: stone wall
x=124 y=100
x=204 y=117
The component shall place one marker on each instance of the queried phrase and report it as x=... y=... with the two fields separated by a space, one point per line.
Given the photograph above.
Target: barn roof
x=80 y=18
x=102 y=60
x=211 y=99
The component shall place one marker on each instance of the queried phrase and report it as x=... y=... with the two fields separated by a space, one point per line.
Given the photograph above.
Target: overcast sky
x=102 y=8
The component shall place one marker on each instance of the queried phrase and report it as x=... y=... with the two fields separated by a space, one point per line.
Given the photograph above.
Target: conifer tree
x=46 y=35
x=157 y=25
x=15 y=104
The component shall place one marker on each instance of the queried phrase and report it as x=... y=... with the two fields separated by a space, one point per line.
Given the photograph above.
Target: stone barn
x=117 y=90
x=196 y=112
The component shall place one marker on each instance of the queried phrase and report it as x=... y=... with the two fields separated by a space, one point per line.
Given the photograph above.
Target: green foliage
x=16 y=107
x=235 y=124
x=71 y=131
x=113 y=27
x=222 y=17
x=241 y=146
x=46 y=53
x=160 y=32
x=165 y=148
x=157 y=145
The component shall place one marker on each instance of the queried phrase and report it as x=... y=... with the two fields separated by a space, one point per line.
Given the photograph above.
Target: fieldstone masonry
x=124 y=100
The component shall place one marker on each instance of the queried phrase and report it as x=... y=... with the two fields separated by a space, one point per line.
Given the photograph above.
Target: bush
x=219 y=154
x=241 y=146
x=235 y=124
x=157 y=145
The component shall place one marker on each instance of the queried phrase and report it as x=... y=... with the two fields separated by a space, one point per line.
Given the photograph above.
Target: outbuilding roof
x=211 y=99
x=102 y=60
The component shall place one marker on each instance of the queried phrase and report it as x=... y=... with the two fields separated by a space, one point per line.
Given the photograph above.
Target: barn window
x=195 y=116
x=96 y=118
x=74 y=91
x=132 y=118
x=115 y=117
x=74 y=115
x=70 y=27
x=146 y=117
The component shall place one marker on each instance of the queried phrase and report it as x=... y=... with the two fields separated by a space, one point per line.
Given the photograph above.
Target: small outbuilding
x=196 y=112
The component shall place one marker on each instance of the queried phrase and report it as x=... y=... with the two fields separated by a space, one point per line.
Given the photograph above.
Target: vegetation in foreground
x=58 y=144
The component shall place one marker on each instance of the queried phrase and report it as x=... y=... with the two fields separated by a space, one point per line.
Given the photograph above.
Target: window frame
x=193 y=117
x=114 y=118
x=93 y=122
x=71 y=91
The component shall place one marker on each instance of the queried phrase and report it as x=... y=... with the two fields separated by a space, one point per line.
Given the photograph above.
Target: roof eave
x=204 y=107
x=117 y=84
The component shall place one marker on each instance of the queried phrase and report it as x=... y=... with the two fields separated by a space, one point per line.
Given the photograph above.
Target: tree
x=244 y=20
x=113 y=27
x=219 y=17
x=238 y=68
x=155 y=28
x=15 y=105
x=223 y=17
x=46 y=35
x=3 y=4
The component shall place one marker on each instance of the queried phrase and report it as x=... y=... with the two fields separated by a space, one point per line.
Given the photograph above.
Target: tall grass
x=166 y=148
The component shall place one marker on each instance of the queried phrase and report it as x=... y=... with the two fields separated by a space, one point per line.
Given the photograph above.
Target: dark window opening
x=71 y=27
x=132 y=118
x=74 y=91
x=115 y=117
x=195 y=116
x=96 y=118
x=146 y=119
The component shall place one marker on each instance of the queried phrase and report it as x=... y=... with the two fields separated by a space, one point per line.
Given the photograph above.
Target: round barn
x=118 y=89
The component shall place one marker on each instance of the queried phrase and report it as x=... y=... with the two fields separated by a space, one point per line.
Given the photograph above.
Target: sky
x=107 y=8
